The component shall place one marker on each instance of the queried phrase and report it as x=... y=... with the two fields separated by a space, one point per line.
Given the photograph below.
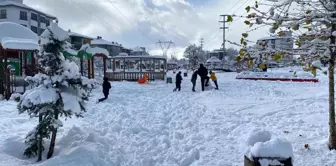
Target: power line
x=74 y=2
x=130 y=21
x=157 y=16
x=234 y=5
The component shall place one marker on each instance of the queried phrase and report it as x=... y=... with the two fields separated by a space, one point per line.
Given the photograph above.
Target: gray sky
x=182 y=21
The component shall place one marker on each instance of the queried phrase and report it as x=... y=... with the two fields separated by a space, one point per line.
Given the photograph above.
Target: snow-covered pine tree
x=59 y=90
x=314 y=23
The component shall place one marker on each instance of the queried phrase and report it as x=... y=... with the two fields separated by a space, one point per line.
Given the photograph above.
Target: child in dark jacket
x=193 y=80
x=106 y=89
x=178 y=81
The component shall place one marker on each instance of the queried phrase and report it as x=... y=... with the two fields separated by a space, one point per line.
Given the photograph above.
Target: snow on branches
x=59 y=90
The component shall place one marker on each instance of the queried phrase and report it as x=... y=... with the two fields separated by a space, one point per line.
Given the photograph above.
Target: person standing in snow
x=106 y=89
x=214 y=78
x=203 y=73
x=178 y=81
x=193 y=80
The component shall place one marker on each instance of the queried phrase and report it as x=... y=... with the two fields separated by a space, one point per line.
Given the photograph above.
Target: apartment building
x=16 y=11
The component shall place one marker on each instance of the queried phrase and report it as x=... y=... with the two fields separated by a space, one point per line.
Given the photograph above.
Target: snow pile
x=249 y=74
x=277 y=148
x=57 y=33
x=20 y=44
x=258 y=136
x=262 y=145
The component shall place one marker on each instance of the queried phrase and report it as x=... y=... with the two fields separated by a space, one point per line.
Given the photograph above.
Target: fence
x=134 y=76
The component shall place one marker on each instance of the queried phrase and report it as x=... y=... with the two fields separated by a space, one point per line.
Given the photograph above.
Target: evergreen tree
x=59 y=90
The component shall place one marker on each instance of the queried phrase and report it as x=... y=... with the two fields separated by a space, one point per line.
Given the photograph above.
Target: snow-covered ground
x=147 y=125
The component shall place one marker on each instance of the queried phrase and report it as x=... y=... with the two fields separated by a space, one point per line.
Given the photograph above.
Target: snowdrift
x=268 y=76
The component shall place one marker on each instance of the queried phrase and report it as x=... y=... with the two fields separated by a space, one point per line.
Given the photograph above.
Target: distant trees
x=195 y=55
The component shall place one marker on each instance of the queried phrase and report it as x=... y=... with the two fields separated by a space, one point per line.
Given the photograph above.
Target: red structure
x=282 y=79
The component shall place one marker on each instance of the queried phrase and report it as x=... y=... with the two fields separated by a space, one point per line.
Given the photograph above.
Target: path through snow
x=151 y=125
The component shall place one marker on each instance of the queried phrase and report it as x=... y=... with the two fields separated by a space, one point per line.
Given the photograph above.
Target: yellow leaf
x=237 y=58
x=308 y=21
x=247 y=22
x=248 y=8
x=241 y=52
x=229 y=18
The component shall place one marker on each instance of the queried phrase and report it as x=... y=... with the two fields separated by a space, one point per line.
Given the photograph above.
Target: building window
x=24 y=25
x=47 y=22
x=33 y=16
x=3 y=14
x=34 y=29
x=23 y=15
x=42 y=19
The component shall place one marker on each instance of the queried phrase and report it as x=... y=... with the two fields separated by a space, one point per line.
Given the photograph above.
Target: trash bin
x=169 y=80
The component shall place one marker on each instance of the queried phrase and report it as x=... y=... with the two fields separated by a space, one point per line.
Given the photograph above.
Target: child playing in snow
x=193 y=80
x=214 y=78
x=178 y=81
x=106 y=89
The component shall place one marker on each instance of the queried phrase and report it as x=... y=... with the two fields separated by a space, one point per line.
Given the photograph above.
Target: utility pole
x=165 y=45
x=224 y=27
x=202 y=43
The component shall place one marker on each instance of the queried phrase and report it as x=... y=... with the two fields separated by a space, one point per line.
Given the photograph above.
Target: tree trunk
x=39 y=151
x=332 y=129
x=53 y=139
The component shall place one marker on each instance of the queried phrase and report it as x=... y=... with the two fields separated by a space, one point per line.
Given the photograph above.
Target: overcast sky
x=182 y=21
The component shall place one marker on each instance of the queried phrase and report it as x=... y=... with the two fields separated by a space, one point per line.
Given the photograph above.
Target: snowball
x=258 y=136
x=273 y=148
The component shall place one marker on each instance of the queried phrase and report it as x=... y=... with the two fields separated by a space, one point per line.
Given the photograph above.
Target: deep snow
x=151 y=125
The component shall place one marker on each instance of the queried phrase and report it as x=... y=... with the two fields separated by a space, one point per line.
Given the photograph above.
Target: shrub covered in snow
x=59 y=90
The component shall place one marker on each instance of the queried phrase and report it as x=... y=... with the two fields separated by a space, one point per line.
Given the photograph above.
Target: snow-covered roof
x=103 y=42
x=79 y=35
x=94 y=50
x=16 y=36
x=21 y=5
x=19 y=44
x=137 y=49
x=213 y=60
